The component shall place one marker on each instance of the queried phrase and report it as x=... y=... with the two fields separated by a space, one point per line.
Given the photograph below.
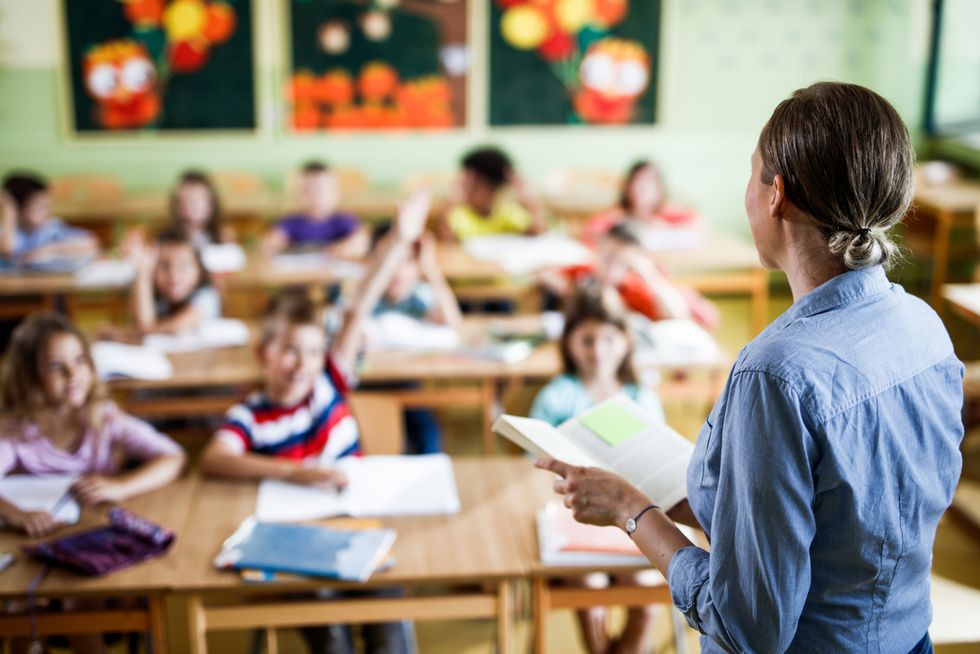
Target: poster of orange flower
x=157 y=65
x=566 y=62
x=376 y=64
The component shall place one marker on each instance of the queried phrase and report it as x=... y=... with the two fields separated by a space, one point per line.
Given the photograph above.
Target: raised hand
x=413 y=214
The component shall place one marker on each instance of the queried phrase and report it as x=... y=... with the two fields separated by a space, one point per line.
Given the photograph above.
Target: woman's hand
x=596 y=497
x=33 y=523
x=95 y=489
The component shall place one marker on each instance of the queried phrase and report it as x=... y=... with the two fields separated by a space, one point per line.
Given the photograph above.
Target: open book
x=616 y=435
x=377 y=486
x=49 y=493
x=210 y=334
x=135 y=361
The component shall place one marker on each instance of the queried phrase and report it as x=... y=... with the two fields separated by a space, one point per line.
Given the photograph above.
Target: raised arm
x=446 y=308
x=8 y=225
x=389 y=255
x=144 y=259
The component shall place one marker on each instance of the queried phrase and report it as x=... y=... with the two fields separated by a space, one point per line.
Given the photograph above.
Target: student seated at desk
x=172 y=291
x=643 y=199
x=596 y=352
x=29 y=233
x=319 y=223
x=621 y=263
x=299 y=424
x=418 y=289
x=490 y=198
x=195 y=208
x=56 y=420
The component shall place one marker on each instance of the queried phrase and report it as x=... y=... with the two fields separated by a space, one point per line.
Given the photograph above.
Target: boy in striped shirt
x=299 y=424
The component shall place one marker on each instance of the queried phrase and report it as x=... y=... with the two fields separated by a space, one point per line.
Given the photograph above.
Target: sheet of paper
x=223 y=257
x=134 y=361
x=613 y=424
x=522 y=255
x=106 y=272
x=395 y=331
x=401 y=485
x=222 y=332
x=281 y=501
x=42 y=493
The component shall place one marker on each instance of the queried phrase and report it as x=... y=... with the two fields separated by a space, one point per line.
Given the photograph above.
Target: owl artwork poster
x=159 y=65
x=568 y=62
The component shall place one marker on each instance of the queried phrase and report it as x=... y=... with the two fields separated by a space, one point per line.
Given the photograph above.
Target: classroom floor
x=956 y=556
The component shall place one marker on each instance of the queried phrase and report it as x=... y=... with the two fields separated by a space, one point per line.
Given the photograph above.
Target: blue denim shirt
x=820 y=476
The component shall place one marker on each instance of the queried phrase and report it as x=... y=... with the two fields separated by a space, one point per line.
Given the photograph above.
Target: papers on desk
x=672 y=343
x=42 y=493
x=223 y=257
x=306 y=550
x=522 y=255
x=395 y=331
x=106 y=272
x=134 y=361
x=616 y=435
x=311 y=261
x=211 y=334
x=564 y=541
x=377 y=486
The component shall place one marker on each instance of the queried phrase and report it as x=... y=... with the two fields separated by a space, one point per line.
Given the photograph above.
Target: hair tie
x=864 y=231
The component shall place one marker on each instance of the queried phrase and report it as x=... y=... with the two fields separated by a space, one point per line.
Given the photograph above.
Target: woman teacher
x=822 y=471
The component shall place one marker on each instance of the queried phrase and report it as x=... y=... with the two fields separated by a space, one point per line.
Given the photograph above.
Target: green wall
x=724 y=66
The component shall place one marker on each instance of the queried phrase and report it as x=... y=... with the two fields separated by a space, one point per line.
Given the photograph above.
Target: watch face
x=630 y=525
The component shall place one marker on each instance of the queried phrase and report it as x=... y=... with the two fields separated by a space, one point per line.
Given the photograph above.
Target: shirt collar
x=846 y=288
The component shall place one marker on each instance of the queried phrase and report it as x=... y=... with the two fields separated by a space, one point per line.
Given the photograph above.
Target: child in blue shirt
x=596 y=351
x=28 y=231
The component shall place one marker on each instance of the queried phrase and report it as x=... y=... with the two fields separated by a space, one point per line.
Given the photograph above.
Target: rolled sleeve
x=747 y=595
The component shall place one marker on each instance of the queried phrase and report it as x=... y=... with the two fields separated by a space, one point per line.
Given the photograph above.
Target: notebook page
x=42 y=493
x=653 y=458
x=401 y=485
x=281 y=501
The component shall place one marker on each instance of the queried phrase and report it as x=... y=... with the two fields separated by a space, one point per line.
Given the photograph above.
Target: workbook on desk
x=377 y=486
x=616 y=435
x=210 y=334
x=306 y=550
x=114 y=360
x=51 y=493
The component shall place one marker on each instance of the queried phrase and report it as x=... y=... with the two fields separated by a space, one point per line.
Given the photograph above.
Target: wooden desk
x=964 y=299
x=474 y=547
x=534 y=490
x=148 y=581
x=949 y=206
x=725 y=265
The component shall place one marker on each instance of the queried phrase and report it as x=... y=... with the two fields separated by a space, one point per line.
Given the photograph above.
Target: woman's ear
x=777 y=199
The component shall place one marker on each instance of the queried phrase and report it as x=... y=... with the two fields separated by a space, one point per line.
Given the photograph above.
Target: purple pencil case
x=126 y=540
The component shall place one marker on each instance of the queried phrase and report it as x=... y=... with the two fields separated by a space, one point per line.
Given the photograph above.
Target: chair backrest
x=232 y=183
x=85 y=190
x=379 y=418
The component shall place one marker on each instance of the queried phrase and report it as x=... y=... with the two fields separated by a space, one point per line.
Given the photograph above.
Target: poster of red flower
x=582 y=61
x=377 y=64
x=158 y=65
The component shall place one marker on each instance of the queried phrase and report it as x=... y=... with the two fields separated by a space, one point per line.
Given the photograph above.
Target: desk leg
x=541 y=598
x=158 y=625
x=271 y=641
x=505 y=618
x=759 y=309
x=196 y=625
x=940 y=259
x=488 y=402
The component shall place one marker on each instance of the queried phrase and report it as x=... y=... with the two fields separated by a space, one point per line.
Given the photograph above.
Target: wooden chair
x=379 y=418
x=576 y=194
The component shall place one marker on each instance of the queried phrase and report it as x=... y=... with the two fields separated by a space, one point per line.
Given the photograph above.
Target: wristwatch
x=631 y=522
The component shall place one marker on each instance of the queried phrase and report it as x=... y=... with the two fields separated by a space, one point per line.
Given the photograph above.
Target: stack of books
x=564 y=542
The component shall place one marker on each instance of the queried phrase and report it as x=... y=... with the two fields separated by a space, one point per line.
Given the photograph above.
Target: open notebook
x=616 y=435
x=42 y=493
x=133 y=361
x=210 y=334
x=351 y=555
x=378 y=486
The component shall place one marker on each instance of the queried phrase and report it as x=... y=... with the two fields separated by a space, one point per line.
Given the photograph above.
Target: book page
x=400 y=485
x=541 y=439
x=653 y=458
x=135 y=361
x=281 y=501
x=42 y=493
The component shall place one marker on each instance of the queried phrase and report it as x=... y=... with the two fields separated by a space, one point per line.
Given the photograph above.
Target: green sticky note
x=613 y=424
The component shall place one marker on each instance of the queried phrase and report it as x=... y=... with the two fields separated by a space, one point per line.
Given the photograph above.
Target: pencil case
x=127 y=539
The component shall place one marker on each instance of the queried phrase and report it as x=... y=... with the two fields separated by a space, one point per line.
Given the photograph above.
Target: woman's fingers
x=560 y=468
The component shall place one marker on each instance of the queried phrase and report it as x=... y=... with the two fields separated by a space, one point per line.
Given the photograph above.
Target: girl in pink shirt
x=54 y=418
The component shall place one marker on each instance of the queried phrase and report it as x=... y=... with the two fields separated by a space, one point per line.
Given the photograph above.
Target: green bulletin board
x=156 y=65
x=555 y=62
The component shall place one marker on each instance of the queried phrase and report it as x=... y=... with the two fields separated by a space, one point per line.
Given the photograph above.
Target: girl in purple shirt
x=55 y=419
